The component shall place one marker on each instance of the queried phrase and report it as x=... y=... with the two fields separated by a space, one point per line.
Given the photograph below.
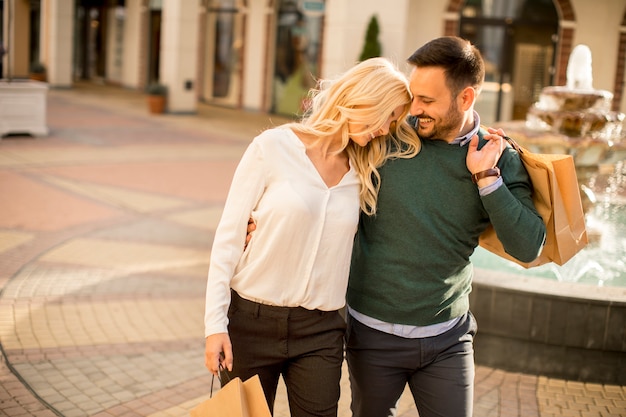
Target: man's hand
x=251 y=228
x=487 y=157
x=218 y=351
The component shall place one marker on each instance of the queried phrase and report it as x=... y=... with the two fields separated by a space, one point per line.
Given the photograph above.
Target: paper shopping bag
x=235 y=399
x=556 y=196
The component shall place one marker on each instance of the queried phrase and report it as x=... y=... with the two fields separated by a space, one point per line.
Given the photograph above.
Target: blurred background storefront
x=264 y=55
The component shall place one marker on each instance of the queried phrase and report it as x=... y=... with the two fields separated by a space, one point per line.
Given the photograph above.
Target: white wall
x=346 y=24
x=425 y=21
x=255 y=55
x=179 y=54
x=57 y=43
x=340 y=40
x=130 y=54
x=598 y=27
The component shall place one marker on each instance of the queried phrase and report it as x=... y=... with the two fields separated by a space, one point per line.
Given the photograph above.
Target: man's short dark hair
x=462 y=62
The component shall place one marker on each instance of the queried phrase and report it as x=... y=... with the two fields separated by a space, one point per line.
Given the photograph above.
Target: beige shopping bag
x=556 y=196
x=235 y=399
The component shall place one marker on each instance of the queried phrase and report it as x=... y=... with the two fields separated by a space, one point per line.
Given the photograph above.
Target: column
x=179 y=59
x=57 y=41
x=16 y=38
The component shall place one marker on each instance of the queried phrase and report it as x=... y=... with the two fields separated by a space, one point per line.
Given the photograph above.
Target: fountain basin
x=556 y=329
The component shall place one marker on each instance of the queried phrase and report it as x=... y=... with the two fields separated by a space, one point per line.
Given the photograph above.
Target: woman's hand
x=218 y=352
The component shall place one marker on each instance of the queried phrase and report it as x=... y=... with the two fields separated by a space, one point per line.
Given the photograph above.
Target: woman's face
x=362 y=134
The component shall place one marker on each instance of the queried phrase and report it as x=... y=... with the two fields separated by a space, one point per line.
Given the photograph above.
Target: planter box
x=23 y=107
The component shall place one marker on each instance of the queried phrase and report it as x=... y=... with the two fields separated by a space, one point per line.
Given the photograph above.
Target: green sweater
x=410 y=262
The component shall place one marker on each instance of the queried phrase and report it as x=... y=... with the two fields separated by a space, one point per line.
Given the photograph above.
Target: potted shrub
x=37 y=71
x=157 y=94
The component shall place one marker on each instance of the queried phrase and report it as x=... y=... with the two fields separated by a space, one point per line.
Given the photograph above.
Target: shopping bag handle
x=219 y=372
x=514 y=144
x=511 y=141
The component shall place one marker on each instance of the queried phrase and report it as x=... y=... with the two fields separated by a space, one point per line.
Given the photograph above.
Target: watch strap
x=491 y=172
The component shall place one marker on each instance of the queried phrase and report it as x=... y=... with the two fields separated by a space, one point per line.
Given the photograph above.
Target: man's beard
x=450 y=124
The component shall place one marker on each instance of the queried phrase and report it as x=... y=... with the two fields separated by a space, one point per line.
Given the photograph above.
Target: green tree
x=372 y=47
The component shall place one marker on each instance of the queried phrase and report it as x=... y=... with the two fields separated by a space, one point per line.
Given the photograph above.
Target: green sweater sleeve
x=512 y=213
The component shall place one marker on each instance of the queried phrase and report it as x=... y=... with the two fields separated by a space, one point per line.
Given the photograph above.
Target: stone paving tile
x=130 y=256
x=111 y=379
x=166 y=179
x=134 y=201
x=63 y=210
x=204 y=218
x=179 y=229
x=558 y=397
x=9 y=239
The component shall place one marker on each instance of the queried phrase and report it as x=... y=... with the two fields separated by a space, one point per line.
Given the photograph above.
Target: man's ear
x=467 y=98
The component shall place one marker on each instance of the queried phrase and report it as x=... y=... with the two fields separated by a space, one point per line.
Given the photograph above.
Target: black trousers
x=304 y=346
x=438 y=369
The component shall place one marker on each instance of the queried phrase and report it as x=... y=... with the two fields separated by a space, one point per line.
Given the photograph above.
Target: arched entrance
x=526 y=45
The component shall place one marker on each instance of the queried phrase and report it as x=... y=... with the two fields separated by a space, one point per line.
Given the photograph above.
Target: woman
x=274 y=309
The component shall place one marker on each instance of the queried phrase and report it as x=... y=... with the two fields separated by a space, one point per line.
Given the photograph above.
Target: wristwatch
x=491 y=172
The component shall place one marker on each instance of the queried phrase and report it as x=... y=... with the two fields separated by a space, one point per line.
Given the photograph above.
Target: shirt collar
x=464 y=140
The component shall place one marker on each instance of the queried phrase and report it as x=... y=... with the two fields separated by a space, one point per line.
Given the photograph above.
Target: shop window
x=298 y=46
x=223 y=53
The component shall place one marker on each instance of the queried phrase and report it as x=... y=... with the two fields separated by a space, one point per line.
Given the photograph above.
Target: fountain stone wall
x=557 y=329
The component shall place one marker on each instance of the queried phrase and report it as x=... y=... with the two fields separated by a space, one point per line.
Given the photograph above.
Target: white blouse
x=299 y=254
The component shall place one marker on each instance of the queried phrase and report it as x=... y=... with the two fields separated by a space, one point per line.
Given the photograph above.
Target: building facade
x=264 y=55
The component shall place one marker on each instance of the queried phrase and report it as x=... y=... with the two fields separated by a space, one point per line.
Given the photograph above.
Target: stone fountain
x=577 y=110
x=577 y=119
x=565 y=321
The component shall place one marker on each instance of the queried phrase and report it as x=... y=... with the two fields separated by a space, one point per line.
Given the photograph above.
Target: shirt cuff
x=490 y=188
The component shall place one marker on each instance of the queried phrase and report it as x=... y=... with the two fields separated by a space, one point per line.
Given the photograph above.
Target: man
x=408 y=293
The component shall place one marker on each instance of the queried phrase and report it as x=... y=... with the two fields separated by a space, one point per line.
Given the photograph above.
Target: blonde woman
x=274 y=309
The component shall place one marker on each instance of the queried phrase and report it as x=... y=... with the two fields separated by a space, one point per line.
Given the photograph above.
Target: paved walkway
x=105 y=233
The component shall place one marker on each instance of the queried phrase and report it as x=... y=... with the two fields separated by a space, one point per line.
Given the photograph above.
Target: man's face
x=438 y=113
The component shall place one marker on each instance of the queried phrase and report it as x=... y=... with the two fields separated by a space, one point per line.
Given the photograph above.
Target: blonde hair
x=366 y=94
